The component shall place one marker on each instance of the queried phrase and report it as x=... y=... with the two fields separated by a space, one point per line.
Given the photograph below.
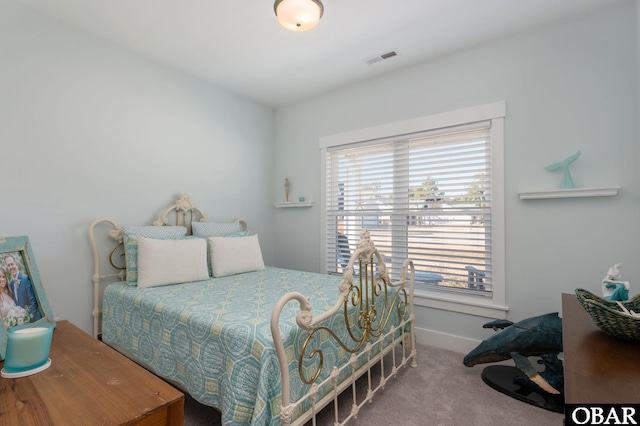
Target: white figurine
x=612 y=287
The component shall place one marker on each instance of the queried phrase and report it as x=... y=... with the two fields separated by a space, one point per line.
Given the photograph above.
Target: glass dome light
x=298 y=15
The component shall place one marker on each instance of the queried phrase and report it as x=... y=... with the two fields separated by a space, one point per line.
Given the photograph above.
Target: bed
x=261 y=344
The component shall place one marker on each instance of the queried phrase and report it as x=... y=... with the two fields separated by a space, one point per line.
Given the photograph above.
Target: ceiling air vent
x=381 y=57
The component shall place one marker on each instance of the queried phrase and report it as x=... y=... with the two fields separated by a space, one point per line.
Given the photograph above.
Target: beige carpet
x=441 y=391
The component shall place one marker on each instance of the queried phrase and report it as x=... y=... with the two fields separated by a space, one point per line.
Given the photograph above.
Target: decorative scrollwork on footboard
x=367 y=313
x=369 y=321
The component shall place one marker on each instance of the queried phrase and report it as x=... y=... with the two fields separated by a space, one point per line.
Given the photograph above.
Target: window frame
x=495 y=306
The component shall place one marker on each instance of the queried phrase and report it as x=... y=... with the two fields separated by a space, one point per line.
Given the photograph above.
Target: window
x=429 y=190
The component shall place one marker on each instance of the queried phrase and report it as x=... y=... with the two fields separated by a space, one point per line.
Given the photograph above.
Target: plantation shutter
x=424 y=196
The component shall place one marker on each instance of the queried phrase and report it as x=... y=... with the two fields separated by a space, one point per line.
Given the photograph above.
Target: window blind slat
x=425 y=196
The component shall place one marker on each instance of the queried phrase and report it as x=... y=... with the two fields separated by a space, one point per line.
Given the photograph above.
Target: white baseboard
x=450 y=342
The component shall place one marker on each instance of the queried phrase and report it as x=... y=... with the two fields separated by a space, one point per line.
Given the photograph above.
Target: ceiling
x=239 y=45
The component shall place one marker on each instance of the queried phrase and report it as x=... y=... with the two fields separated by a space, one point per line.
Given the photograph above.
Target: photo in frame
x=22 y=297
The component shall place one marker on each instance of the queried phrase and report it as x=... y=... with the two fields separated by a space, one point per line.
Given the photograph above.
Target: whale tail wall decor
x=567 y=181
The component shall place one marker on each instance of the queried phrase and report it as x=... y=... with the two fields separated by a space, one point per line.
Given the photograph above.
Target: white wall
x=570 y=86
x=88 y=130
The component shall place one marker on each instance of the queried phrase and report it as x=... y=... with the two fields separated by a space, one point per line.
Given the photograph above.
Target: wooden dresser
x=598 y=368
x=88 y=383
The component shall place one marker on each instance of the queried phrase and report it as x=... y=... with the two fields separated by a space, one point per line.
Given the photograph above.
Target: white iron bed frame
x=369 y=346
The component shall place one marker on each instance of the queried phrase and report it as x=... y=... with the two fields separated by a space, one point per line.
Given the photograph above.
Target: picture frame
x=30 y=304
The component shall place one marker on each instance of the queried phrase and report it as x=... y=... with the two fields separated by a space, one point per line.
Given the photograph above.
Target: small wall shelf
x=288 y=204
x=571 y=193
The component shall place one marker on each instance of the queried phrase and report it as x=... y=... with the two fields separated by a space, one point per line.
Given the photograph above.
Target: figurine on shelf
x=612 y=287
x=567 y=181
x=286 y=190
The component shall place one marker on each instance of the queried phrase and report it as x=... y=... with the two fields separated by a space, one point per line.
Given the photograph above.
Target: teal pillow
x=130 y=242
x=219 y=229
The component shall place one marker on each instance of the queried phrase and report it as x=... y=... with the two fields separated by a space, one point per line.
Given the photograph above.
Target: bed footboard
x=377 y=316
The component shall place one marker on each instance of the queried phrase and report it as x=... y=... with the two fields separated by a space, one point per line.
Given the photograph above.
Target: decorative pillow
x=130 y=241
x=235 y=255
x=162 y=262
x=233 y=234
x=222 y=229
x=156 y=232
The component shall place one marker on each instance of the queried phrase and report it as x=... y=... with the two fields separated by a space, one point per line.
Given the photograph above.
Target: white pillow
x=234 y=255
x=162 y=262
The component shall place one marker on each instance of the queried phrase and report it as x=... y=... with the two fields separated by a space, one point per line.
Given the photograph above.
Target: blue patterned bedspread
x=200 y=335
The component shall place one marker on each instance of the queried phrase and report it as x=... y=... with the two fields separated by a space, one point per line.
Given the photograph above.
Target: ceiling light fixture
x=298 y=15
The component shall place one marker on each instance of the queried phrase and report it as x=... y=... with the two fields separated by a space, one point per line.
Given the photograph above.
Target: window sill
x=464 y=304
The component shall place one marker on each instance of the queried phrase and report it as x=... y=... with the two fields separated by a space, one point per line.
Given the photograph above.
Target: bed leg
x=410 y=342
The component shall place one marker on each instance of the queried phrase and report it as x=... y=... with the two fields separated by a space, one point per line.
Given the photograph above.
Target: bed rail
x=366 y=332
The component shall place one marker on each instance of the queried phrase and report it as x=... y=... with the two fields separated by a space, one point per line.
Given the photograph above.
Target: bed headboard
x=110 y=267
x=183 y=212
